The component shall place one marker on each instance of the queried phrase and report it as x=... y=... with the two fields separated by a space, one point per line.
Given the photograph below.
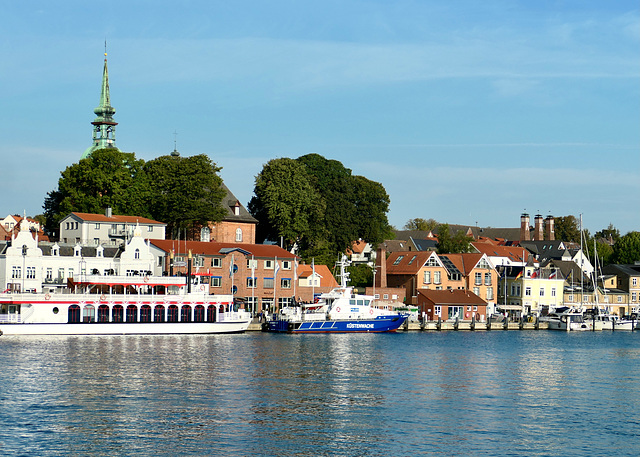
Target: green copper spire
x=104 y=127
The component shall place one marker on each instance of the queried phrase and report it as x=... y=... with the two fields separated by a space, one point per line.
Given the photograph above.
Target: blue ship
x=337 y=311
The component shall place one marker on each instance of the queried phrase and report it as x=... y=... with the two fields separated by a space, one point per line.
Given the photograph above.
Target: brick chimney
x=538 y=233
x=381 y=267
x=551 y=234
x=524 y=227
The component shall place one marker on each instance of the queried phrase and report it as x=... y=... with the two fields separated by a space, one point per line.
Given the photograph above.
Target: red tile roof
x=115 y=219
x=326 y=278
x=213 y=248
x=410 y=263
x=451 y=297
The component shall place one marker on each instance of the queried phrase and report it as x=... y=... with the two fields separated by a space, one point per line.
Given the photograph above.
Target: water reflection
x=449 y=393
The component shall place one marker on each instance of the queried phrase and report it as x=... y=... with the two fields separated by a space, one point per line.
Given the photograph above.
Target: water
x=521 y=393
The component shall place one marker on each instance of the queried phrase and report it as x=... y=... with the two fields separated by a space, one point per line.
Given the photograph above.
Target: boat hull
x=378 y=325
x=173 y=328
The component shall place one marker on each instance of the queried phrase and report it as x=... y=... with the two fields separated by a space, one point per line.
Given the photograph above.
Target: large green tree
x=609 y=233
x=567 y=228
x=286 y=203
x=185 y=192
x=627 y=249
x=107 y=178
x=319 y=204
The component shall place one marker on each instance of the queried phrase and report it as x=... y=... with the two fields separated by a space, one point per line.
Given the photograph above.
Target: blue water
x=522 y=393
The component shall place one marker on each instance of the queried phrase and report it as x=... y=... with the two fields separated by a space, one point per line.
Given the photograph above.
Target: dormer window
x=55 y=250
x=136 y=254
x=100 y=252
x=236 y=209
x=77 y=251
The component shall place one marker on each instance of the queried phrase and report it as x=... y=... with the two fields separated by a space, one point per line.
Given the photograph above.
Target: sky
x=466 y=112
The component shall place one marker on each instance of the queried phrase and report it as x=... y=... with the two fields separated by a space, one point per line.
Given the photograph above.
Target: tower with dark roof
x=104 y=127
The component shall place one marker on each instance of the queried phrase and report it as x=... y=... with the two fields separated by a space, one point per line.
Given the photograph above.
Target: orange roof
x=357 y=247
x=115 y=219
x=407 y=262
x=326 y=278
x=464 y=262
x=213 y=248
x=516 y=254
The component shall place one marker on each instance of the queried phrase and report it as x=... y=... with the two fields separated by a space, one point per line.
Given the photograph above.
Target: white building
x=29 y=266
x=106 y=229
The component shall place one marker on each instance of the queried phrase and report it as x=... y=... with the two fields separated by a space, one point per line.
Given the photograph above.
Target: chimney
x=107 y=212
x=537 y=230
x=524 y=227
x=381 y=267
x=551 y=234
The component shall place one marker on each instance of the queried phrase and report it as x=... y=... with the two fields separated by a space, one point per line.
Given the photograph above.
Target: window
x=286 y=264
x=268 y=264
x=77 y=251
x=412 y=259
x=570 y=298
x=476 y=290
x=268 y=283
x=542 y=291
x=487 y=279
x=216 y=262
x=527 y=291
x=251 y=283
x=634 y=296
x=478 y=279
x=489 y=293
x=285 y=283
x=619 y=298
x=252 y=264
x=16 y=272
x=49 y=276
x=634 y=281
x=97 y=226
x=436 y=277
x=96 y=241
x=150 y=228
x=238 y=234
x=398 y=260
x=136 y=254
x=216 y=281
x=31 y=273
x=160 y=260
x=198 y=261
x=205 y=234
x=432 y=262
x=483 y=264
x=553 y=291
x=427 y=277
x=60 y=273
x=437 y=310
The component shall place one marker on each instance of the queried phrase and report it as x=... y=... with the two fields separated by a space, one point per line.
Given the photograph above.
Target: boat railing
x=13 y=318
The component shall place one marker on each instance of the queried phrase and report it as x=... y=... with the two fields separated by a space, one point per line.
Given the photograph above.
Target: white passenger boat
x=565 y=319
x=102 y=305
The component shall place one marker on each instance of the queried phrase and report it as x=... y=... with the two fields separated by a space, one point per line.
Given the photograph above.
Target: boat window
x=172 y=313
x=132 y=313
x=74 y=314
x=352 y=302
x=360 y=302
x=116 y=313
x=158 y=313
x=185 y=315
x=103 y=313
x=89 y=314
x=198 y=313
x=145 y=313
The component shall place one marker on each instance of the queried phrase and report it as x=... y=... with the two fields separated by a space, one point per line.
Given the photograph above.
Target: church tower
x=104 y=127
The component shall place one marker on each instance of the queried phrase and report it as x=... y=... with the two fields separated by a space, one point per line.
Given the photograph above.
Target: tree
x=427 y=225
x=285 y=203
x=447 y=244
x=627 y=249
x=360 y=275
x=185 y=192
x=567 y=228
x=107 y=178
x=604 y=251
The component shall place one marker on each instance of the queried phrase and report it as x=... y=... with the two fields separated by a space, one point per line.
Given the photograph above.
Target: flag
x=277 y=268
x=534 y=274
x=519 y=275
x=231 y=267
x=553 y=275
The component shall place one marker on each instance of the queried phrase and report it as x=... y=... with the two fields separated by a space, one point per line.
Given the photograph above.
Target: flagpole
x=253 y=284
x=231 y=274
x=313 y=280
x=275 y=278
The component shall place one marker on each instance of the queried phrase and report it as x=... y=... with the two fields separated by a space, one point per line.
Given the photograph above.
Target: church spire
x=104 y=127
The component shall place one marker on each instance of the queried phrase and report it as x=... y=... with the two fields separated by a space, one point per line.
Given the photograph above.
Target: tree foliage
x=107 y=178
x=603 y=250
x=185 y=192
x=610 y=233
x=627 y=249
x=181 y=192
x=567 y=228
x=425 y=225
x=320 y=205
x=360 y=275
x=458 y=243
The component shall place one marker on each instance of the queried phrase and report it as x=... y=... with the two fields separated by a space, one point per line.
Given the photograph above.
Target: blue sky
x=467 y=112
